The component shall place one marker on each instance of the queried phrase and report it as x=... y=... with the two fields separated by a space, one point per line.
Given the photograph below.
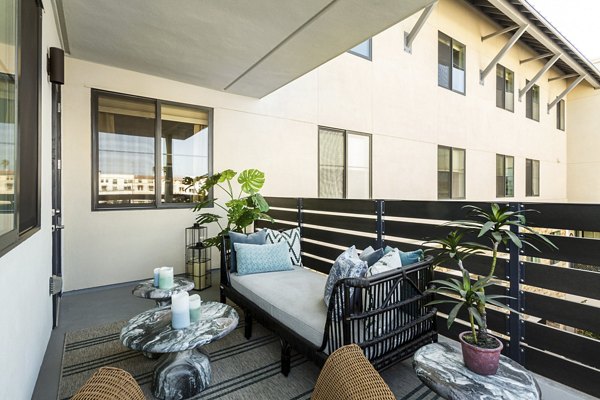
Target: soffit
x=244 y=47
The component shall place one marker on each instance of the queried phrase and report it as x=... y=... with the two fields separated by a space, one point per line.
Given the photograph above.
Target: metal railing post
x=299 y=206
x=515 y=270
x=380 y=226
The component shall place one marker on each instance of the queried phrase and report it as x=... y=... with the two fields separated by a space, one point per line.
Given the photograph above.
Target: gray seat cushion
x=294 y=298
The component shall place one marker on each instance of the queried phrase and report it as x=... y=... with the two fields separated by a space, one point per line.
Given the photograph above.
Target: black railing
x=557 y=291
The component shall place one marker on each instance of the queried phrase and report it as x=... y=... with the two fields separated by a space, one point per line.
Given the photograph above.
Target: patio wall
x=27 y=307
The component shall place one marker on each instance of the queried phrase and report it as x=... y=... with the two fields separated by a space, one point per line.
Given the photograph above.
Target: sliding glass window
x=451 y=63
x=344 y=164
x=532 y=103
x=129 y=132
x=505 y=176
x=532 y=177
x=451 y=173
x=505 y=88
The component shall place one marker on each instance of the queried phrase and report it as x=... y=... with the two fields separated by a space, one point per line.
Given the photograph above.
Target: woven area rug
x=241 y=369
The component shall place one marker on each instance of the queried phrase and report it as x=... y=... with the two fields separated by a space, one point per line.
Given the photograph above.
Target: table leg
x=181 y=375
x=161 y=303
x=151 y=356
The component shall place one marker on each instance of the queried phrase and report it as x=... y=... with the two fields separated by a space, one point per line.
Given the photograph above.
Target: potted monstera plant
x=241 y=207
x=481 y=350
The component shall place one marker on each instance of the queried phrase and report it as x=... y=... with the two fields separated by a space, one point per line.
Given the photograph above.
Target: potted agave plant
x=481 y=350
x=241 y=209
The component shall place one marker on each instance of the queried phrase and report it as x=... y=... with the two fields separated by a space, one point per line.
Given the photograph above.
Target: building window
x=532 y=177
x=363 y=49
x=532 y=103
x=560 y=115
x=20 y=66
x=505 y=176
x=451 y=173
x=344 y=164
x=151 y=141
x=451 y=63
x=505 y=88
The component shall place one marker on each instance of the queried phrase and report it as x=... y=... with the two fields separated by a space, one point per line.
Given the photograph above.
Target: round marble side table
x=184 y=370
x=147 y=290
x=440 y=366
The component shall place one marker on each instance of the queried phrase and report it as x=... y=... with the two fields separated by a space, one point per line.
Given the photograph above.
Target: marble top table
x=184 y=370
x=147 y=290
x=440 y=366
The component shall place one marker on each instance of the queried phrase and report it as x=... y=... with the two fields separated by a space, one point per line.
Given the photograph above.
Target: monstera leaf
x=252 y=180
x=227 y=175
x=256 y=200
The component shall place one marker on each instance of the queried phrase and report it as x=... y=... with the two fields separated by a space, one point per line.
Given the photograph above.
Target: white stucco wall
x=27 y=307
x=395 y=97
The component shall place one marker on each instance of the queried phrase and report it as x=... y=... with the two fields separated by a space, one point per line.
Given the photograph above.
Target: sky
x=577 y=20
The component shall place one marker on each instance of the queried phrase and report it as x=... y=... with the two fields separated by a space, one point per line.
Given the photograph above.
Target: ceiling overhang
x=250 y=48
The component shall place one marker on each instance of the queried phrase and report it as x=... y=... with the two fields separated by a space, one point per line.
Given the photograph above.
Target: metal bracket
x=55 y=285
x=566 y=91
x=566 y=76
x=500 y=32
x=517 y=35
x=537 y=76
x=410 y=37
x=545 y=55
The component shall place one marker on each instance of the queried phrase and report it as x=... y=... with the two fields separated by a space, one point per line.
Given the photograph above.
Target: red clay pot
x=479 y=360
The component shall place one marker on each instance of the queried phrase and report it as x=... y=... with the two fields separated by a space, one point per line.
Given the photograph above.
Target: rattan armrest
x=110 y=383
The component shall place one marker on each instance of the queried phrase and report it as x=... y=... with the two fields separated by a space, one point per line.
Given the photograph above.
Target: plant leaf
x=473 y=311
x=252 y=180
x=453 y=313
x=226 y=175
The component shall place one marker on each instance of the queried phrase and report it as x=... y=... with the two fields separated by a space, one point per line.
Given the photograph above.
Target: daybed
x=385 y=314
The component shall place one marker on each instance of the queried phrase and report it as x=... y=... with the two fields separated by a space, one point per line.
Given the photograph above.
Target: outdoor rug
x=241 y=369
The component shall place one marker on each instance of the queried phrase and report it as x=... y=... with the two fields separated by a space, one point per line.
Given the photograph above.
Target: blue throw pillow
x=254 y=258
x=259 y=237
x=371 y=256
x=347 y=265
x=408 y=257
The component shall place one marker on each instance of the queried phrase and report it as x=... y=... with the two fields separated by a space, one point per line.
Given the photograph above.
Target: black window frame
x=529 y=103
x=366 y=57
x=451 y=180
x=505 y=193
x=504 y=90
x=451 y=66
x=27 y=183
x=158 y=204
x=561 y=122
x=345 y=177
x=530 y=165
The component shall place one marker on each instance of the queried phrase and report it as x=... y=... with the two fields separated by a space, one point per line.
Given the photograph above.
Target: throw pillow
x=254 y=258
x=370 y=255
x=347 y=265
x=388 y=262
x=254 y=238
x=291 y=237
x=408 y=257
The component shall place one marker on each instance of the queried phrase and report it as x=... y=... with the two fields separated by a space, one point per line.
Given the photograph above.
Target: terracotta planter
x=479 y=360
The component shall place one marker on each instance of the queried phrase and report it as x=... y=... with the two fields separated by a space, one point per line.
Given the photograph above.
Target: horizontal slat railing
x=557 y=291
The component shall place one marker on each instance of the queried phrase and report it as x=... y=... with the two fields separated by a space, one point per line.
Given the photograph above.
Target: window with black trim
x=451 y=173
x=344 y=164
x=532 y=177
x=154 y=143
x=505 y=176
x=20 y=80
x=560 y=115
x=532 y=103
x=451 y=63
x=363 y=49
x=505 y=88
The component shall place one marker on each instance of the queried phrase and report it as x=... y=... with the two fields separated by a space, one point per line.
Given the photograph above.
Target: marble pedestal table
x=440 y=366
x=147 y=290
x=184 y=370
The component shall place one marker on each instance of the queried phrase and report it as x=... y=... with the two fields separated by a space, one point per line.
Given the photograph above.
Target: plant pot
x=479 y=360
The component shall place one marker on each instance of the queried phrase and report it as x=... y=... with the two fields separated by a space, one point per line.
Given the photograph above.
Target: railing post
x=515 y=270
x=380 y=226
x=299 y=206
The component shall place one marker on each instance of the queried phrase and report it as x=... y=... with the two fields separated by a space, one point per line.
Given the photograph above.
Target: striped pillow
x=291 y=237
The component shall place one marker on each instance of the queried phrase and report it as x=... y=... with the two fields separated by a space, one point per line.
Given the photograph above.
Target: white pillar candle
x=180 y=310
x=165 y=279
x=195 y=308
x=156 y=276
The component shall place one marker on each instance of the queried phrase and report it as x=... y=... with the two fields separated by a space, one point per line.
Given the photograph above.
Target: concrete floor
x=88 y=308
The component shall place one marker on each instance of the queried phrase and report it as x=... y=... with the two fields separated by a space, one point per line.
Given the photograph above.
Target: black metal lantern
x=197 y=257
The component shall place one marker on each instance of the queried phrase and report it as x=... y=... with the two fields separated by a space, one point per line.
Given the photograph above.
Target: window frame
x=366 y=57
x=561 y=114
x=158 y=204
x=504 y=169
x=451 y=149
x=450 y=80
x=345 y=177
x=529 y=103
x=504 y=69
x=530 y=164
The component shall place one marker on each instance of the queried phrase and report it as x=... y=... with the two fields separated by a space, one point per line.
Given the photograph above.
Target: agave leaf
x=442 y=302
x=486 y=227
x=453 y=313
x=514 y=238
x=473 y=311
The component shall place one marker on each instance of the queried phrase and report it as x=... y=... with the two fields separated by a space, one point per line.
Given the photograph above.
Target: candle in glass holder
x=195 y=308
x=180 y=310
x=165 y=278
x=156 y=276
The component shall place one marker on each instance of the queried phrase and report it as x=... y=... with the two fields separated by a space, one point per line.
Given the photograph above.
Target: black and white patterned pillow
x=292 y=238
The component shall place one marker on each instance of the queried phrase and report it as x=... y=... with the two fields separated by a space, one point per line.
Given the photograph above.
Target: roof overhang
x=244 y=47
